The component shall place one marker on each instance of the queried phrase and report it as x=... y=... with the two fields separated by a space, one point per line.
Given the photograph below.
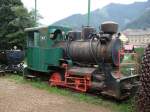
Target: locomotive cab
x=40 y=54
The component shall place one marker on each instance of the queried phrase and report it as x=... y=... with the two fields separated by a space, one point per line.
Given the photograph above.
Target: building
x=123 y=38
x=138 y=37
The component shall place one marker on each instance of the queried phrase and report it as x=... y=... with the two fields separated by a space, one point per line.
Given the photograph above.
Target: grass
x=125 y=106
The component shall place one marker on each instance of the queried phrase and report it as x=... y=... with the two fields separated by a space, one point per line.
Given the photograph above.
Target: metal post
x=35 y=10
x=89 y=8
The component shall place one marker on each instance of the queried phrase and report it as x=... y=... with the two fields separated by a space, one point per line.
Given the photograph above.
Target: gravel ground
x=24 y=98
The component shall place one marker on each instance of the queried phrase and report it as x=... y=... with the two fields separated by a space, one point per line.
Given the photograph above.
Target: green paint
x=89 y=8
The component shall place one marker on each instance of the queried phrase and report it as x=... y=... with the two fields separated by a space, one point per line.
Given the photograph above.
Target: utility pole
x=89 y=9
x=35 y=10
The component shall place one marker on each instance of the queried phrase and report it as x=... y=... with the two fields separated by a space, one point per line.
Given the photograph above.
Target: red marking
x=122 y=52
x=120 y=55
x=55 y=79
x=78 y=82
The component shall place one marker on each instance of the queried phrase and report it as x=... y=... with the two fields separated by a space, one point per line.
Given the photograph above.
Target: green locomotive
x=82 y=60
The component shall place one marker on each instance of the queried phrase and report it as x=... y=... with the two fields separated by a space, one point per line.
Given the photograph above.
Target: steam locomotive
x=84 y=60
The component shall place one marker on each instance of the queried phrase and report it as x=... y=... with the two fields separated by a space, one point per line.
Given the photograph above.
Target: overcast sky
x=54 y=10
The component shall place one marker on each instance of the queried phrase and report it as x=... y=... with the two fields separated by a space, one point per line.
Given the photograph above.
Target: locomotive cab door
x=33 y=50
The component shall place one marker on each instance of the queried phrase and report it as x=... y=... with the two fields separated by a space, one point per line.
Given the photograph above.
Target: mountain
x=140 y=23
x=125 y=15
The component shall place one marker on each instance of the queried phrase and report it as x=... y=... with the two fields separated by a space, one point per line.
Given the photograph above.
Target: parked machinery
x=11 y=60
x=142 y=99
x=83 y=60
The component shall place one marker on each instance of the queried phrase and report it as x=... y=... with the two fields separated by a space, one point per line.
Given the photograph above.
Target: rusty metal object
x=74 y=35
x=109 y=27
x=143 y=95
x=98 y=86
x=80 y=51
x=86 y=31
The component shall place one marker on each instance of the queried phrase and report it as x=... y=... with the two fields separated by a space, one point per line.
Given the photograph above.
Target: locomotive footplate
x=78 y=78
x=81 y=70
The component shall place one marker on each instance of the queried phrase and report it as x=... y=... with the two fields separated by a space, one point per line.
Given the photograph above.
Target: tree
x=14 y=18
x=39 y=16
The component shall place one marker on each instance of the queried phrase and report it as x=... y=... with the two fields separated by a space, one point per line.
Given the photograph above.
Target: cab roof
x=47 y=27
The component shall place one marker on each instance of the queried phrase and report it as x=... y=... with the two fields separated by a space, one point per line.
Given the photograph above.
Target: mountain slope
x=141 y=22
x=121 y=13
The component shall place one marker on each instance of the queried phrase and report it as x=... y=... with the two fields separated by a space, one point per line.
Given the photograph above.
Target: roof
x=47 y=27
x=35 y=28
x=136 y=32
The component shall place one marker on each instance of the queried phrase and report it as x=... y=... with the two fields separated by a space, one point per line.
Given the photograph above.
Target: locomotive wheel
x=55 y=79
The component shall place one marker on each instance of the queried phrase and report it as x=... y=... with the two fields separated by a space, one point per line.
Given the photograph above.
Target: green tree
x=39 y=16
x=14 y=18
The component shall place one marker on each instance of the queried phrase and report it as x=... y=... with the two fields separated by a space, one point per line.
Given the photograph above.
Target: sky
x=54 y=10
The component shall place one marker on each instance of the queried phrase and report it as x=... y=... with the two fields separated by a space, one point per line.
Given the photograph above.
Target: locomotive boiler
x=84 y=60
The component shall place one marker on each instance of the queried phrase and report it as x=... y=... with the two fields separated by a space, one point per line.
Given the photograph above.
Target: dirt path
x=24 y=98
